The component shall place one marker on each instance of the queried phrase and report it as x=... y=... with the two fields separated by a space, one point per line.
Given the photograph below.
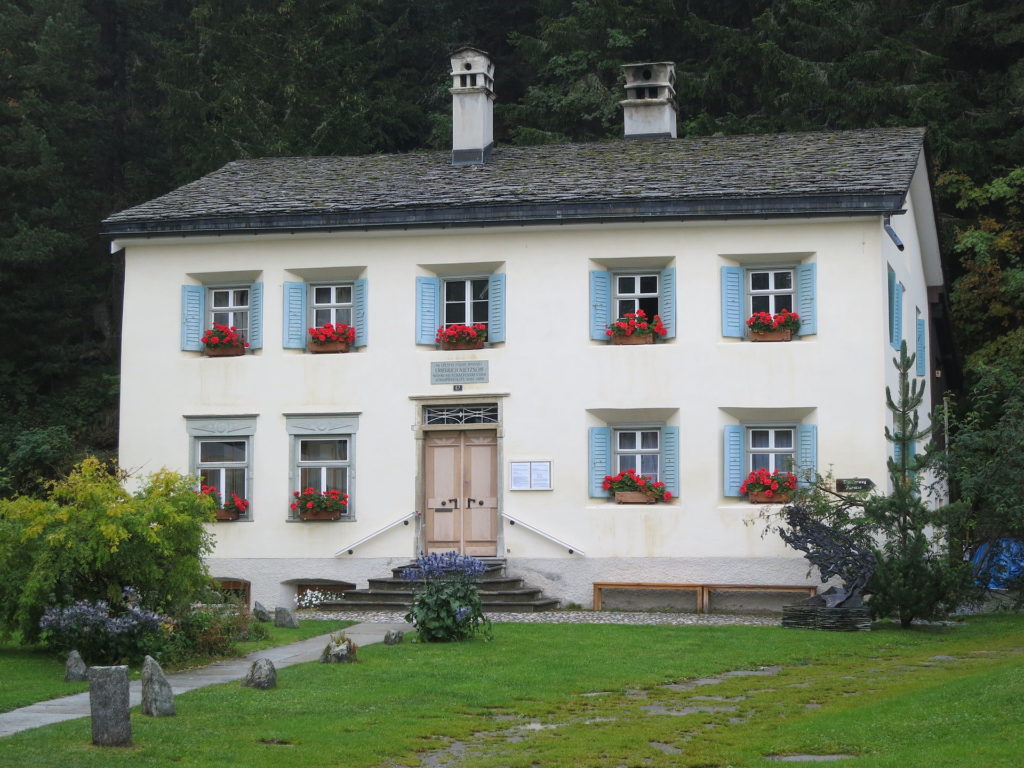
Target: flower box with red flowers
x=764 y=487
x=458 y=336
x=635 y=328
x=233 y=508
x=310 y=504
x=331 y=338
x=631 y=488
x=764 y=326
x=224 y=341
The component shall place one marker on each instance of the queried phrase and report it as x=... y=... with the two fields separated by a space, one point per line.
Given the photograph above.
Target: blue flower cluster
x=89 y=628
x=449 y=566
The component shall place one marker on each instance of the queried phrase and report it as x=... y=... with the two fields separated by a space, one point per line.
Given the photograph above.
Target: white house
x=501 y=451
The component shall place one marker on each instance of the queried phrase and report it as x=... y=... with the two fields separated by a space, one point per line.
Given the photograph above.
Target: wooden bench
x=703 y=590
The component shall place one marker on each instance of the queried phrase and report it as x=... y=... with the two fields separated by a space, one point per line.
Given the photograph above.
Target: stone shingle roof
x=817 y=173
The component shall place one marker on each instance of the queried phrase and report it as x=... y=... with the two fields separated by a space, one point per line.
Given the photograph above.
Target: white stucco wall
x=552 y=380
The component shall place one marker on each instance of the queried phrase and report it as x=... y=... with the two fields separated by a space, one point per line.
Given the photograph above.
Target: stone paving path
x=73 y=707
x=669 y=618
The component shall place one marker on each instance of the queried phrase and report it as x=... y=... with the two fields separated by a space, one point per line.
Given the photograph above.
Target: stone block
x=108 y=706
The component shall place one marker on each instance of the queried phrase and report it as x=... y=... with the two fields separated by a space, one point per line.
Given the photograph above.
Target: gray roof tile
x=839 y=171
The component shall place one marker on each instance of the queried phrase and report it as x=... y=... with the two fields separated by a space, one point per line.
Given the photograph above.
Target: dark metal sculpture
x=835 y=553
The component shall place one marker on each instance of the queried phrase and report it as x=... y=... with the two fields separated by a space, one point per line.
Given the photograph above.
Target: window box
x=779 y=334
x=329 y=347
x=226 y=514
x=634 y=339
x=476 y=344
x=762 y=497
x=314 y=514
x=224 y=351
x=633 y=497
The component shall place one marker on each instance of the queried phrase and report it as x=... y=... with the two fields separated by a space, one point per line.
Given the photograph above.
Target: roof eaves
x=516 y=214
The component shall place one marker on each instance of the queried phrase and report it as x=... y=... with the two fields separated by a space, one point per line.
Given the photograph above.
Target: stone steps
x=498 y=592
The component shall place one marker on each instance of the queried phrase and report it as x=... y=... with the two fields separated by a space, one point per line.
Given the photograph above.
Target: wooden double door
x=461 y=490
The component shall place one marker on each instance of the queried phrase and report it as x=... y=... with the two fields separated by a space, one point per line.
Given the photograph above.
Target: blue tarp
x=998 y=563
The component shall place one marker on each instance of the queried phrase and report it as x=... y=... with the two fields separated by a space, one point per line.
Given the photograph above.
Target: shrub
x=209 y=631
x=100 y=635
x=446 y=604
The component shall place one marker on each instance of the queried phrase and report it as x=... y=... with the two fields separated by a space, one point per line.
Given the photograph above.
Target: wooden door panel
x=443 y=487
x=480 y=518
x=461 y=492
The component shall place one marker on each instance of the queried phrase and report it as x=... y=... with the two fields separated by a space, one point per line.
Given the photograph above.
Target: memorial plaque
x=854 y=484
x=459 y=372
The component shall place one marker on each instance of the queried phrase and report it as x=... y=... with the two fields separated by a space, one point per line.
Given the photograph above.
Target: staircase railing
x=352 y=547
x=571 y=549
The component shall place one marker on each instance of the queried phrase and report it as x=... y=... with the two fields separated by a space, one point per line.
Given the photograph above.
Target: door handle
x=455 y=503
x=478 y=501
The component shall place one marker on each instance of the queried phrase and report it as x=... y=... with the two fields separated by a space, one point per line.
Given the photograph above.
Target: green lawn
x=33 y=674
x=516 y=702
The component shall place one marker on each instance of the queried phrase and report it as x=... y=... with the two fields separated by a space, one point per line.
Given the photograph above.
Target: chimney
x=650 y=108
x=472 y=106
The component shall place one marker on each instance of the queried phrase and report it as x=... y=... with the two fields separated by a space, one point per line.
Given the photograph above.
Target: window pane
x=322 y=294
x=337 y=479
x=221 y=299
x=759 y=281
x=783 y=281
x=760 y=438
x=783 y=438
x=784 y=462
x=212 y=478
x=783 y=301
x=649 y=284
x=649 y=306
x=626 y=284
x=311 y=477
x=760 y=461
x=649 y=440
x=454 y=313
x=343 y=294
x=219 y=451
x=480 y=289
x=455 y=290
x=322 y=317
x=323 y=450
x=241 y=297
x=627 y=462
x=760 y=304
x=649 y=465
x=626 y=306
x=234 y=482
x=627 y=441
x=343 y=316
x=479 y=311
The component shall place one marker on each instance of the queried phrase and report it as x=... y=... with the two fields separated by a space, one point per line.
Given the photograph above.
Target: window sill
x=344 y=519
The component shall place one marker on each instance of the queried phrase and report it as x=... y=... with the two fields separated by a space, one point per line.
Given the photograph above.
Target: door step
x=499 y=592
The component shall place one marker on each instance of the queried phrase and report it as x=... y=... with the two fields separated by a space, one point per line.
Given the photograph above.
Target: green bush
x=446 y=604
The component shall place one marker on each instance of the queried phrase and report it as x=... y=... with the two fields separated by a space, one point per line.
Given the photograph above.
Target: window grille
x=460 y=414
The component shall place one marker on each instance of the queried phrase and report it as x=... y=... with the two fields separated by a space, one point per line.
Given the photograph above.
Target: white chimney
x=650 y=107
x=472 y=106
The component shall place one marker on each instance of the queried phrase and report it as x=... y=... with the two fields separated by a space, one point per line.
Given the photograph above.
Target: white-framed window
x=614 y=293
x=648 y=449
x=466 y=301
x=783 y=445
x=323 y=455
x=771 y=448
x=220 y=455
x=462 y=300
x=230 y=306
x=224 y=465
x=770 y=290
x=639 y=450
x=323 y=463
x=330 y=303
x=637 y=291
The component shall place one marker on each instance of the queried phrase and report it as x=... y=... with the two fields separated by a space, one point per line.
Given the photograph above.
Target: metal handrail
x=572 y=550
x=351 y=547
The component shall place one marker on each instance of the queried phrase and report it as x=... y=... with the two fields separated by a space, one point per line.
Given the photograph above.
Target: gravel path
x=576 y=617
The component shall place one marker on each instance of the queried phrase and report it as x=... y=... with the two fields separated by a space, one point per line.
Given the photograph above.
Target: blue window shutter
x=670 y=459
x=667 y=305
x=600 y=457
x=428 y=309
x=496 y=308
x=255 y=337
x=193 y=301
x=806 y=298
x=922 y=359
x=732 y=307
x=359 y=312
x=732 y=464
x=897 y=452
x=600 y=304
x=806 y=450
x=894 y=340
x=897 y=320
x=294 y=333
